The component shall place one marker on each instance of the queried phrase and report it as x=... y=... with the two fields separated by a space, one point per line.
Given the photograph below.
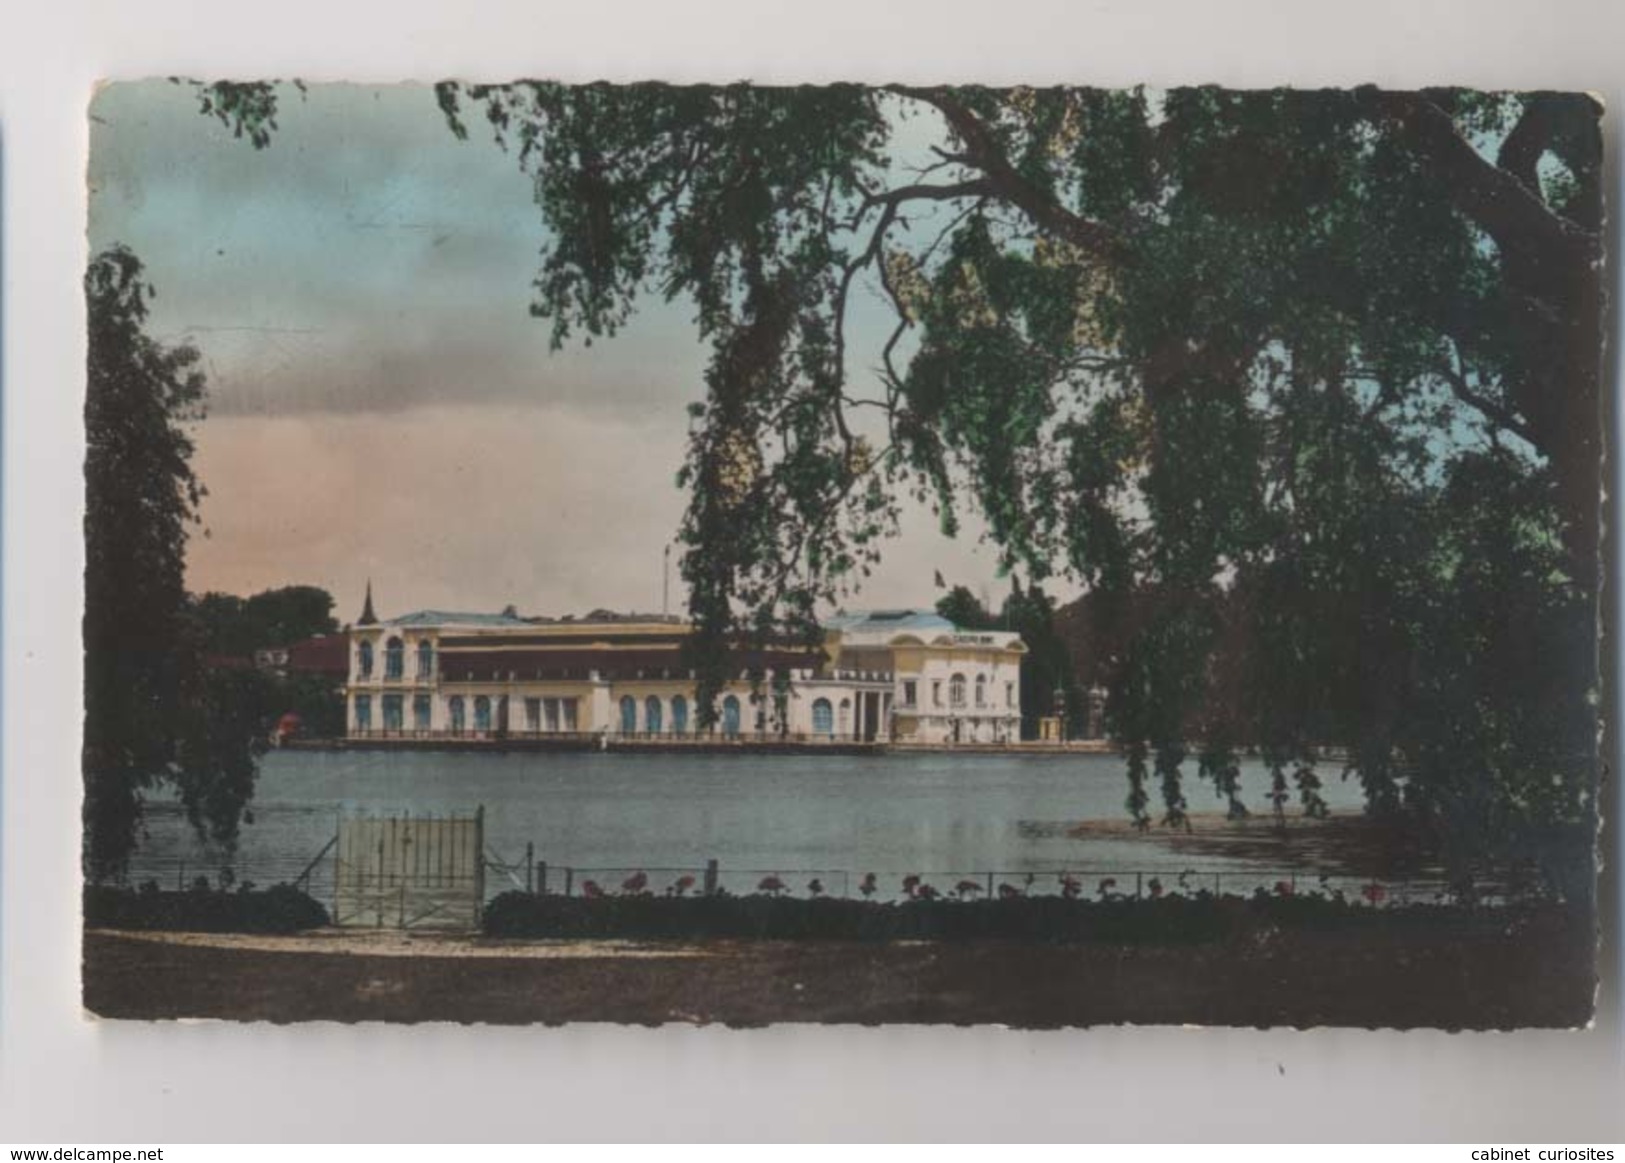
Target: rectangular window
x=533 y=714
x=392 y=713
x=363 y=712
x=420 y=712
x=1009 y=694
x=550 y=708
x=908 y=693
x=569 y=714
x=936 y=692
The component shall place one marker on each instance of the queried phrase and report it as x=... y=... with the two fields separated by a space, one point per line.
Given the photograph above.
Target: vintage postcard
x=847 y=554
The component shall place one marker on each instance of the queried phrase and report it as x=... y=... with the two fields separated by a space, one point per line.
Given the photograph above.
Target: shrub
x=278 y=909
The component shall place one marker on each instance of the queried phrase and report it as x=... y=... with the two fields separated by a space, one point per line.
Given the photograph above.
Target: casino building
x=886 y=676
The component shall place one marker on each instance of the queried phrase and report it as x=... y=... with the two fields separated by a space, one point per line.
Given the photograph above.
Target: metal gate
x=405 y=872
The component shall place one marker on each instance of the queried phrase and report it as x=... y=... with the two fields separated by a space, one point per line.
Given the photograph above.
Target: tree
x=1223 y=358
x=1046 y=668
x=965 y=610
x=151 y=717
x=278 y=617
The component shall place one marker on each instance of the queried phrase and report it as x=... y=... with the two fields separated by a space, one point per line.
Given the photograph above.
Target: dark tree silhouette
x=152 y=716
x=277 y=617
x=965 y=610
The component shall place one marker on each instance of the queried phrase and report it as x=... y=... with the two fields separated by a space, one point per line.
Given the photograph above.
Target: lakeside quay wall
x=699 y=746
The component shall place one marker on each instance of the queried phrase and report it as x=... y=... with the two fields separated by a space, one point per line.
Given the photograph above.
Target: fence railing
x=1091 y=882
x=526 y=872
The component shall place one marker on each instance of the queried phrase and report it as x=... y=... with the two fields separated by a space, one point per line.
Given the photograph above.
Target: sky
x=381 y=403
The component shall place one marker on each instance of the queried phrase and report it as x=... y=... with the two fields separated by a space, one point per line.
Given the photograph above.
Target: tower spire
x=368 y=618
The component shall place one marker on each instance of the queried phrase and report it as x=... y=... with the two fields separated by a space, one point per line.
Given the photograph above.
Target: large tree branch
x=1498 y=414
x=983 y=152
x=975 y=187
x=1510 y=212
x=1520 y=152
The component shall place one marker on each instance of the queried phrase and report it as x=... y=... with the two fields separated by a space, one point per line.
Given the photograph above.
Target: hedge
x=278 y=909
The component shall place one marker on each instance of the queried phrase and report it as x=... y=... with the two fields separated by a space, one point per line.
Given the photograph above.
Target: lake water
x=607 y=814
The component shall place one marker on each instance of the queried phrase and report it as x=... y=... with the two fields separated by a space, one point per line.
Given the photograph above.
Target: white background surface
x=65 y=1078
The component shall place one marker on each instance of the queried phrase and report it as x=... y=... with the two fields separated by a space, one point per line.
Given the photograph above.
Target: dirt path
x=1479 y=979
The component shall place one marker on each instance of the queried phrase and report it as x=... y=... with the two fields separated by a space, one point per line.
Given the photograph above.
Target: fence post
x=541 y=878
x=711 y=877
x=530 y=868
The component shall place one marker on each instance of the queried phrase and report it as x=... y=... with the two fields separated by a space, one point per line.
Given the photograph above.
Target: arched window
x=629 y=715
x=425 y=658
x=651 y=715
x=394 y=658
x=363 y=659
x=679 y=714
x=482 y=714
x=981 y=690
x=363 y=712
x=956 y=691
x=392 y=713
x=458 y=716
x=420 y=712
x=823 y=717
x=730 y=716
x=846 y=716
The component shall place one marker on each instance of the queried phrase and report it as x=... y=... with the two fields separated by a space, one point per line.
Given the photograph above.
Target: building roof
x=890 y=621
x=889 y=628
x=456 y=618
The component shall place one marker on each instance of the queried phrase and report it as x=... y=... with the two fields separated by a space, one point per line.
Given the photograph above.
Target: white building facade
x=949 y=685
x=889 y=676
